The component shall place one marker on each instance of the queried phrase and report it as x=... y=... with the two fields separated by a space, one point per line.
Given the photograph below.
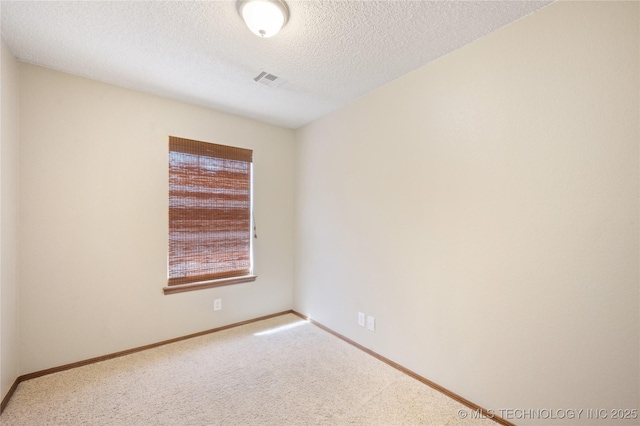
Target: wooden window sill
x=180 y=288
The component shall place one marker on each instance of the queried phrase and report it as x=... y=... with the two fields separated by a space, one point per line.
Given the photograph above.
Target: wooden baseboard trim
x=395 y=365
x=9 y=394
x=475 y=407
x=52 y=370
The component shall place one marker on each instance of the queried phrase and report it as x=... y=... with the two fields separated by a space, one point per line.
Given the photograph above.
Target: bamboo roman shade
x=209 y=211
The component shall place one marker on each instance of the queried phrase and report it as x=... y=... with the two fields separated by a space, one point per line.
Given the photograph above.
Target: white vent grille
x=267 y=79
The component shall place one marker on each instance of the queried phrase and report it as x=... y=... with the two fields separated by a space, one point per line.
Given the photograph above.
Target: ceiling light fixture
x=263 y=17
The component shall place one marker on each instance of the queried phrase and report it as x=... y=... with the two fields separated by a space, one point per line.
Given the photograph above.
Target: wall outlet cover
x=371 y=323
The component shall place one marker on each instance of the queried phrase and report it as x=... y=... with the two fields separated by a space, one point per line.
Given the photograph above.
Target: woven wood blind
x=209 y=211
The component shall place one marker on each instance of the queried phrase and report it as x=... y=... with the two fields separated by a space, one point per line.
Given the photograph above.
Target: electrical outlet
x=371 y=323
x=217 y=304
x=361 y=319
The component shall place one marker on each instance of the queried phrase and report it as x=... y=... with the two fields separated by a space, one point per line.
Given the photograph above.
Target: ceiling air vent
x=267 y=79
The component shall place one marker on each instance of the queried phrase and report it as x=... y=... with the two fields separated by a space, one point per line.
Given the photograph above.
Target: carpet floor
x=279 y=371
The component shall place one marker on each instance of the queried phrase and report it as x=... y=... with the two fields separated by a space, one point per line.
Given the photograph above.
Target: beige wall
x=93 y=219
x=484 y=209
x=8 y=220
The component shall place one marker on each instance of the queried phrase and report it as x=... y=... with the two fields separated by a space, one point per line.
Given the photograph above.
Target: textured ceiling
x=329 y=53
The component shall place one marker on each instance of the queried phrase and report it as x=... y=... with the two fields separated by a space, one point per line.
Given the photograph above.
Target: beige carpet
x=280 y=371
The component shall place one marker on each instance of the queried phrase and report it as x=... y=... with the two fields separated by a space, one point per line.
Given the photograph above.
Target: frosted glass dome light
x=263 y=17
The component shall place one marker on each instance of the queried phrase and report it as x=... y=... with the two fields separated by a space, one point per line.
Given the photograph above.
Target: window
x=209 y=215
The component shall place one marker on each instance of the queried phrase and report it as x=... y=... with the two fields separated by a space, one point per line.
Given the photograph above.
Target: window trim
x=181 y=288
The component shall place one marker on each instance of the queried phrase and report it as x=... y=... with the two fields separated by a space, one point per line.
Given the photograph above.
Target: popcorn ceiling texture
x=329 y=53
x=280 y=371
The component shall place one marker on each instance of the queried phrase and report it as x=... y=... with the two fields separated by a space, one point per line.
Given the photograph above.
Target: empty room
x=284 y=212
